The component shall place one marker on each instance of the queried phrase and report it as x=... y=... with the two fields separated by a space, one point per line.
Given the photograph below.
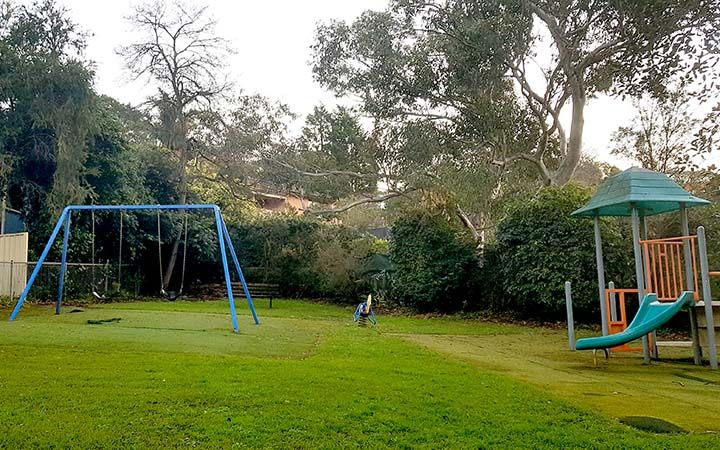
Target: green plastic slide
x=651 y=315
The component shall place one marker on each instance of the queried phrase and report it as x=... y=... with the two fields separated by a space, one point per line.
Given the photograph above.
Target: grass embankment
x=172 y=375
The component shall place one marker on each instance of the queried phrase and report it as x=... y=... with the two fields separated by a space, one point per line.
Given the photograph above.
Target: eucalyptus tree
x=439 y=61
x=235 y=150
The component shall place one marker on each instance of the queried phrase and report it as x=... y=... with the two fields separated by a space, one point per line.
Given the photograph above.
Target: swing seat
x=171 y=295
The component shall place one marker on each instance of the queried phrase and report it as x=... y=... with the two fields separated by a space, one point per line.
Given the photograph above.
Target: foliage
x=334 y=141
x=446 y=64
x=339 y=262
x=237 y=145
x=660 y=136
x=46 y=104
x=540 y=246
x=435 y=262
x=305 y=258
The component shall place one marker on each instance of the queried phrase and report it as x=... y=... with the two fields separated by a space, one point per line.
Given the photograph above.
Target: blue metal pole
x=63 y=264
x=223 y=255
x=239 y=271
x=38 y=265
x=138 y=207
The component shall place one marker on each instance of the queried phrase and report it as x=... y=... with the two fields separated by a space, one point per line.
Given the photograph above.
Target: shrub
x=435 y=262
x=339 y=260
x=279 y=250
x=306 y=258
x=539 y=246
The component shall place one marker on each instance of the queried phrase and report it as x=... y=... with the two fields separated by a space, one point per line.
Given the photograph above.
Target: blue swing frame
x=223 y=240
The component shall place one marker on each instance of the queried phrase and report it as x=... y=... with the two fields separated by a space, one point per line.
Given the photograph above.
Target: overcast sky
x=272 y=39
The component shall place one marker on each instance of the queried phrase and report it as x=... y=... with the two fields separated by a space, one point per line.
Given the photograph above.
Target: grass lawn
x=173 y=375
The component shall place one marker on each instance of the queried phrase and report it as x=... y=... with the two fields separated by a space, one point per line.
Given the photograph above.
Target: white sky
x=272 y=39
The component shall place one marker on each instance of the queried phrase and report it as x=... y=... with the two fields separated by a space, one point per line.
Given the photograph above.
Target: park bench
x=258 y=290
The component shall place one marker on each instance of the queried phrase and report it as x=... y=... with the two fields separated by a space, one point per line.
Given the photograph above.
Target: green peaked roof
x=650 y=192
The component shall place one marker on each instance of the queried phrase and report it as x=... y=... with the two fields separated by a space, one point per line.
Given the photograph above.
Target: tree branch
x=324 y=173
x=363 y=201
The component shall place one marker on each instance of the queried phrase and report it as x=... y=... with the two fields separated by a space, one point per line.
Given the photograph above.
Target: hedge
x=435 y=262
x=539 y=246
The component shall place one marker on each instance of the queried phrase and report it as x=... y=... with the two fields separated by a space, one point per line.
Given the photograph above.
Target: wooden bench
x=258 y=290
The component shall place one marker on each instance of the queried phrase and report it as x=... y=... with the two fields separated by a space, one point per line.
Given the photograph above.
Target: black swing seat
x=171 y=295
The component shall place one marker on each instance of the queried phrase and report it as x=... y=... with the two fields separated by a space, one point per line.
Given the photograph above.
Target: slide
x=651 y=315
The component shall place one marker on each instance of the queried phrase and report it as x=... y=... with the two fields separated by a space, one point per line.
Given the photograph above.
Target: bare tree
x=661 y=134
x=179 y=52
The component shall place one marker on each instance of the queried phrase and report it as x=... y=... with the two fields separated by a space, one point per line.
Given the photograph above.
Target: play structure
x=666 y=269
x=364 y=313
x=225 y=245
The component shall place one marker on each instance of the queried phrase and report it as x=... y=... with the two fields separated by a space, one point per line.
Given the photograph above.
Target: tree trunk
x=173 y=259
x=468 y=223
x=574 y=148
x=182 y=200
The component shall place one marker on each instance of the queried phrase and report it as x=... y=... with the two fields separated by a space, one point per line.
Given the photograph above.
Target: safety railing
x=667 y=264
x=617 y=312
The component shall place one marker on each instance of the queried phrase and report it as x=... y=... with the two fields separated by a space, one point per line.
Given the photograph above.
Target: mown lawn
x=172 y=375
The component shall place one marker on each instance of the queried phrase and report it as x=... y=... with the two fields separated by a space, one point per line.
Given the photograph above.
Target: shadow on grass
x=651 y=424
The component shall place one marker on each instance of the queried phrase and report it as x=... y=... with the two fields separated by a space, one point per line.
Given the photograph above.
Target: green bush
x=539 y=246
x=306 y=258
x=435 y=262
x=279 y=250
x=339 y=261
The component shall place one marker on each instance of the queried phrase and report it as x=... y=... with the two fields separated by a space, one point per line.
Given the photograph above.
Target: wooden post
x=613 y=306
x=600 y=276
x=690 y=284
x=2 y=216
x=654 y=349
x=570 y=318
x=639 y=271
x=12 y=280
x=707 y=299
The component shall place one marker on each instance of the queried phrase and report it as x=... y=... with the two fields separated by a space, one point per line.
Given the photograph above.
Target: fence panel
x=13 y=263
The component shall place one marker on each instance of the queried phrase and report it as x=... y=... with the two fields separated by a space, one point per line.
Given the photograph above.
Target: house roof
x=650 y=192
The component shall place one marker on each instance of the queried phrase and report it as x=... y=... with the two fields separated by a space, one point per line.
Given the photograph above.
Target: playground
x=174 y=374
x=380 y=224
x=329 y=376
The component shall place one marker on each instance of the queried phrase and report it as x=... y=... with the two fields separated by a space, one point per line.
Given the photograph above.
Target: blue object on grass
x=361 y=316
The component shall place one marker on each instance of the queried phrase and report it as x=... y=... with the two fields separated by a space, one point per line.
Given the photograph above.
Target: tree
x=540 y=246
x=661 y=134
x=441 y=60
x=180 y=53
x=46 y=109
x=335 y=141
x=238 y=148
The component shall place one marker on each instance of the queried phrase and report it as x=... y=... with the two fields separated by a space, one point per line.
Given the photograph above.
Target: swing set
x=224 y=241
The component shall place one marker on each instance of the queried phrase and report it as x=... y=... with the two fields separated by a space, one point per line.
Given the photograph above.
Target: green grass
x=172 y=375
